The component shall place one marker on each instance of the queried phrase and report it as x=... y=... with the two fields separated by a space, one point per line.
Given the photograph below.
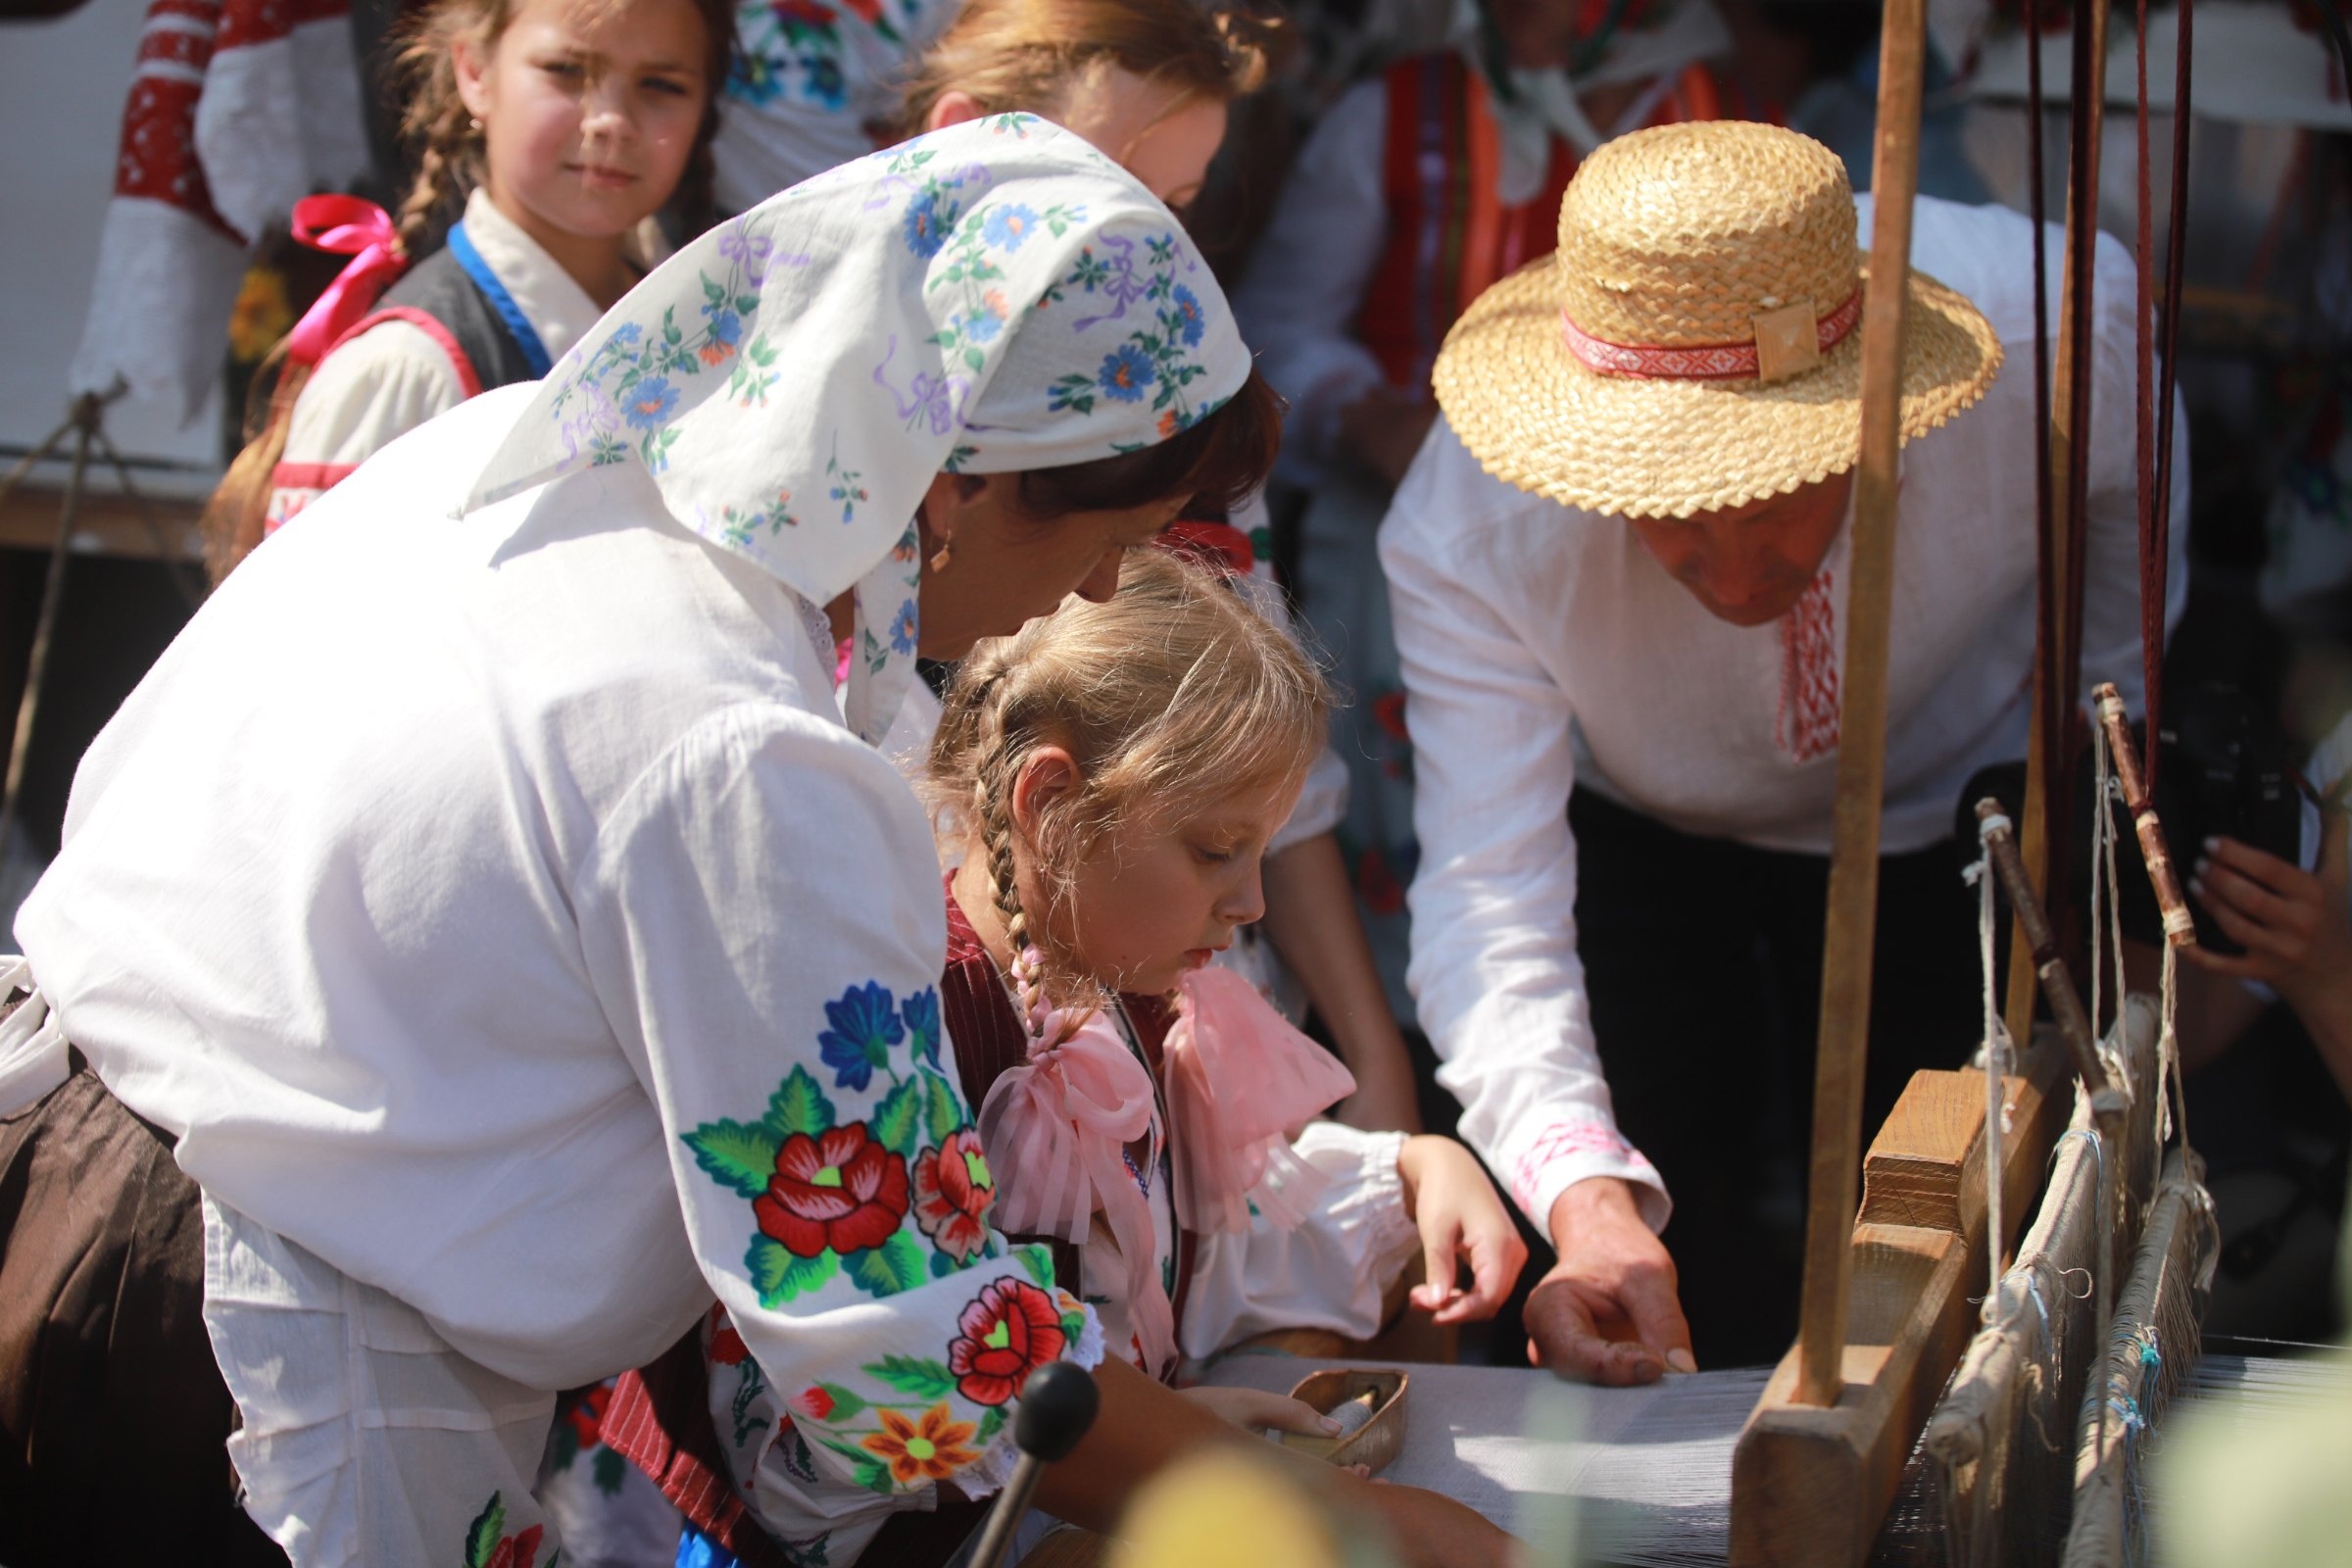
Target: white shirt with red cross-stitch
x=1542 y=648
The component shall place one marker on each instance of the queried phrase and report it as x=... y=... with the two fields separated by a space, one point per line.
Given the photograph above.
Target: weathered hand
x=1608 y=1312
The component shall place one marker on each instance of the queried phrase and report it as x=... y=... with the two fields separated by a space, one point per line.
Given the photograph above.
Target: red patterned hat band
x=1712 y=362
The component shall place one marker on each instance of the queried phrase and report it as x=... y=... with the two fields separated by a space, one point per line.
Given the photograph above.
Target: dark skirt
x=113 y=1414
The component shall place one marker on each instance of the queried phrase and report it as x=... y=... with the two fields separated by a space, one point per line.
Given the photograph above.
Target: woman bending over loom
x=1116 y=770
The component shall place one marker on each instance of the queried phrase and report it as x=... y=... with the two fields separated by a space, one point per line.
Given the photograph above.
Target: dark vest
x=436 y=297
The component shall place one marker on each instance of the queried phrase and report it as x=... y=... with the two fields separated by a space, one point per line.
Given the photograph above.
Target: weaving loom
x=1650 y=1468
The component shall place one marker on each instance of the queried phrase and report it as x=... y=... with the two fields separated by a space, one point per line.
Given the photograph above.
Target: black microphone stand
x=1058 y=1406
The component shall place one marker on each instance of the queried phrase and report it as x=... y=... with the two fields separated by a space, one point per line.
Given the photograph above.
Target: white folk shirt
x=391 y=379
x=467 y=897
x=1543 y=647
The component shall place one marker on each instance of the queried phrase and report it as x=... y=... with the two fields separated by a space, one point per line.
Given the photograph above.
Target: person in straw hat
x=1618 y=569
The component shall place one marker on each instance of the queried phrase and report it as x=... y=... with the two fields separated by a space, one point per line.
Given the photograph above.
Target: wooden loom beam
x=1853 y=893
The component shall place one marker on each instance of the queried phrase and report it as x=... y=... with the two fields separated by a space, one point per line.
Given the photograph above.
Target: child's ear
x=1048 y=777
x=469 y=62
x=954 y=107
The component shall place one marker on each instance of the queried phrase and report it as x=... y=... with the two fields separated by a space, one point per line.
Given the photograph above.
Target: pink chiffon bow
x=1055 y=1130
x=1239 y=1078
x=344 y=226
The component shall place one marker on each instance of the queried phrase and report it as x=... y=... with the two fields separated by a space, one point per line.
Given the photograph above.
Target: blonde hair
x=1033 y=54
x=1175 y=694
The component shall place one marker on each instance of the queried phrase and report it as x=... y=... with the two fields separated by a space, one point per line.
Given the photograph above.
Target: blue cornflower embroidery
x=1126 y=372
x=864 y=1027
x=929 y=218
x=1188 y=307
x=725 y=326
x=902 y=628
x=1008 y=226
x=649 y=402
x=920 y=1014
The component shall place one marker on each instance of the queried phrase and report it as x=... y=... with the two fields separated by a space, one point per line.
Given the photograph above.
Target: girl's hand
x=2291 y=922
x=1254 y=1411
x=1459 y=1215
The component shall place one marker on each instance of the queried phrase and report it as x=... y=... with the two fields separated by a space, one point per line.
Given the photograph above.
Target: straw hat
x=1658 y=364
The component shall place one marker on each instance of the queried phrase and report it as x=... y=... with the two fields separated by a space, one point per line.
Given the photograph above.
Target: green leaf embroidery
x=482 y=1536
x=736 y=1156
x=846 y=1403
x=609 y=1469
x=944 y=1115
x=799 y=1106
x=898 y=1265
x=894 y=1122
x=1038 y=1258
x=1073 y=1325
x=989 y=1425
x=866 y=1470
x=778 y=1276
x=921 y=1377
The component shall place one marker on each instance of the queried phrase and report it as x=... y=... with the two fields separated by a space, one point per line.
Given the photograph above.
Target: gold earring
x=945 y=554
x=474 y=125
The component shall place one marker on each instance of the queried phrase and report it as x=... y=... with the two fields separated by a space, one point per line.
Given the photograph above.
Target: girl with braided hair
x=548 y=133
x=1115 y=773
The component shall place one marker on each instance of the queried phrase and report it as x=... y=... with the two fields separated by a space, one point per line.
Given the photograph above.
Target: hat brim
x=1537 y=418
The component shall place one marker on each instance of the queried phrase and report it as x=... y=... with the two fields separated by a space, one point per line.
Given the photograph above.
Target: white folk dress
x=581 y=893
x=1543 y=647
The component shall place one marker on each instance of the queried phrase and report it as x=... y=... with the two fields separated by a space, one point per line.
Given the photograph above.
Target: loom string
x=1999 y=1057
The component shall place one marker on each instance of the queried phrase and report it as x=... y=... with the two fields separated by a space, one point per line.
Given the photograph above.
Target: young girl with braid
x=1121 y=766
x=548 y=133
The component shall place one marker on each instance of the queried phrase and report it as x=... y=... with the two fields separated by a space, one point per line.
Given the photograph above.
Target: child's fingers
x=1496 y=1254
x=1252 y=1408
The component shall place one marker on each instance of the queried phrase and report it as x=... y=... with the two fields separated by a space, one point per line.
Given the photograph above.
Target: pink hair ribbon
x=1055 y=1130
x=1239 y=1078
x=344 y=226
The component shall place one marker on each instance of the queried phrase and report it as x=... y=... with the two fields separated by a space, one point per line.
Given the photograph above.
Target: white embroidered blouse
x=1543 y=647
x=538 y=947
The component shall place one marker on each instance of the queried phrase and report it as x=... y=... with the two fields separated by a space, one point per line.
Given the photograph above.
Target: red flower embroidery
x=867 y=10
x=813 y=1402
x=952 y=1188
x=1009 y=1331
x=726 y=1346
x=517 y=1551
x=803 y=11
x=586 y=1414
x=840 y=1190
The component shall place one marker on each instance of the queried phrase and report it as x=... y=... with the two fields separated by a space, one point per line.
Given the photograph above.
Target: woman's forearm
x=1312 y=920
x=1142 y=1426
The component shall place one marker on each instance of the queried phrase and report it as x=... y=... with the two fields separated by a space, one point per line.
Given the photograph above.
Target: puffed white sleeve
x=1306 y=280
x=2111 y=595
x=366 y=393
x=762 y=923
x=1329 y=1271
x=1494 y=971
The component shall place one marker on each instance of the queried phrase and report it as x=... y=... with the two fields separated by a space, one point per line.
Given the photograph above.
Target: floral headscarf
x=991 y=298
